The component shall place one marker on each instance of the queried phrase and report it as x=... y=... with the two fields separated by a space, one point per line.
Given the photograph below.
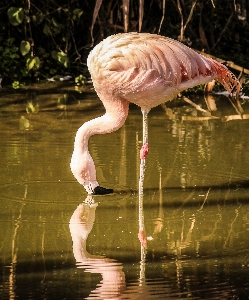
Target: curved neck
x=112 y=120
x=82 y=164
x=92 y=127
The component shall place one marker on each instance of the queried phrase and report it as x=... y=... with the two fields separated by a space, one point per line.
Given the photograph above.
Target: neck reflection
x=113 y=278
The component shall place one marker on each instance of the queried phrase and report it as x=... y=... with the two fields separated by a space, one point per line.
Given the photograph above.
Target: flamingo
x=144 y=69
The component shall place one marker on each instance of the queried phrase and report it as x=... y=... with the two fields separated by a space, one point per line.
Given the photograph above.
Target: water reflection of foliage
x=198 y=230
x=190 y=232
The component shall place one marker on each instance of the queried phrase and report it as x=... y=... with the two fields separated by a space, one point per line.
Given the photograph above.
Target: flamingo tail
x=226 y=78
x=230 y=83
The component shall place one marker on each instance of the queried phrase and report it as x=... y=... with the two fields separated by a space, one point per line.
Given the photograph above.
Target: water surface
x=192 y=221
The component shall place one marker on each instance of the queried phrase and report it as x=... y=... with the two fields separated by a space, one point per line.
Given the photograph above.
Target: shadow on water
x=186 y=237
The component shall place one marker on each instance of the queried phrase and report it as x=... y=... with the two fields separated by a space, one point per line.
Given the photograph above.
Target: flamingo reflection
x=113 y=278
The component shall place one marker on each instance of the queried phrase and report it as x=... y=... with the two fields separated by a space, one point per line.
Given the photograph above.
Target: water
x=192 y=221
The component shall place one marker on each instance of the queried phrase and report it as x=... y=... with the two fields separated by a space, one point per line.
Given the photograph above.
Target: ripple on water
x=45 y=192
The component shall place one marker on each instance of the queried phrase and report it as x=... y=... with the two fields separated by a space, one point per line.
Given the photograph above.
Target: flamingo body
x=144 y=69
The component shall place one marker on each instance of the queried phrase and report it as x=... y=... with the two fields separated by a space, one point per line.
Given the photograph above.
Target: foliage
x=38 y=39
x=44 y=39
x=10 y=61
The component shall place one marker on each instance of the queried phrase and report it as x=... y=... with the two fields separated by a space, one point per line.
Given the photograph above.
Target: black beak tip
x=99 y=190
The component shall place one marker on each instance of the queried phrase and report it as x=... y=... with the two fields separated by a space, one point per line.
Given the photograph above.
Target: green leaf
x=80 y=80
x=16 y=15
x=77 y=13
x=38 y=18
x=52 y=71
x=63 y=59
x=55 y=26
x=55 y=23
x=10 y=41
x=14 y=55
x=33 y=62
x=47 y=30
x=16 y=84
x=54 y=54
x=37 y=62
x=30 y=63
x=24 y=47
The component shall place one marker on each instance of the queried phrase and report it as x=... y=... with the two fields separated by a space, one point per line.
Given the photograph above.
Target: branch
x=162 y=17
x=95 y=14
x=180 y=11
x=190 y=15
x=141 y=14
x=126 y=8
x=183 y=27
x=222 y=32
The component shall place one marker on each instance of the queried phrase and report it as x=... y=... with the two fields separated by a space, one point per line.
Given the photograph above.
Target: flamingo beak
x=98 y=190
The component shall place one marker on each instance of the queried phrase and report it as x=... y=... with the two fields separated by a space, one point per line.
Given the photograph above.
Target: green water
x=194 y=214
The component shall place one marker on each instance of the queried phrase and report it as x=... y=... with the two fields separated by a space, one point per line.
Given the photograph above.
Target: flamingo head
x=83 y=169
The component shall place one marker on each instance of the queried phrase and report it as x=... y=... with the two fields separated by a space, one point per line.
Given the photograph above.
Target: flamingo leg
x=143 y=153
x=145 y=125
x=144 y=150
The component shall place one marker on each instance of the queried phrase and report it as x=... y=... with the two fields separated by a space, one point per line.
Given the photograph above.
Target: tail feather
x=230 y=83
x=226 y=78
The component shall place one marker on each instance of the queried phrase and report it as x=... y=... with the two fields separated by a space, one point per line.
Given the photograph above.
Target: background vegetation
x=51 y=38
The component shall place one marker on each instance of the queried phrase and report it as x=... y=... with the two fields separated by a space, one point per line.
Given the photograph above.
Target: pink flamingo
x=144 y=69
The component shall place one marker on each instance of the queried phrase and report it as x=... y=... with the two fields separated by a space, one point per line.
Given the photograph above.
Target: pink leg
x=143 y=153
x=145 y=112
x=144 y=150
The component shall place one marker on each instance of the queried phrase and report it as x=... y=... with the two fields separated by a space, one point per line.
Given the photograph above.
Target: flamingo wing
x=148 y=69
